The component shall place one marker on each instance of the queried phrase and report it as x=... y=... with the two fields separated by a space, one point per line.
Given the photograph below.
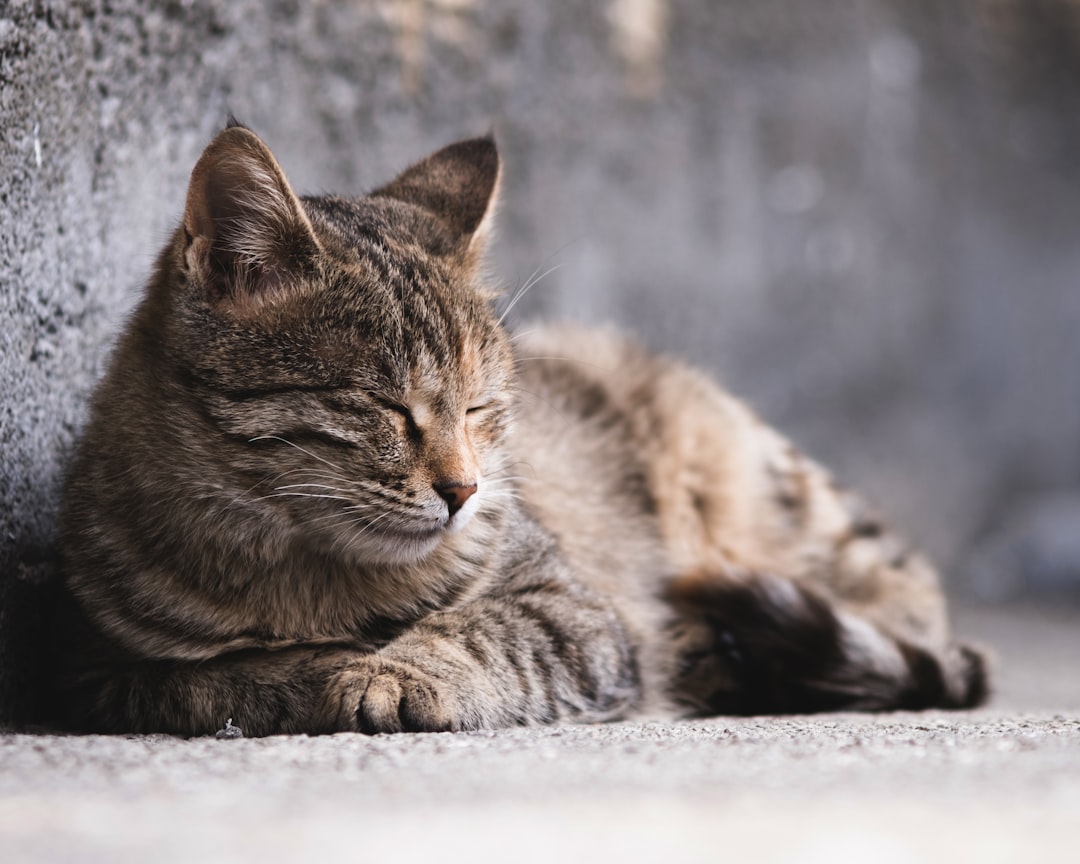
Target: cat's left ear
x=459 y=186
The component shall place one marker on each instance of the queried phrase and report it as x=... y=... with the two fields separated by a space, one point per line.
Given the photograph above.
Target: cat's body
x=321 y=490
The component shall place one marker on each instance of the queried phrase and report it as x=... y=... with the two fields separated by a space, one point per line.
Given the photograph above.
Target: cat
x=321 y=488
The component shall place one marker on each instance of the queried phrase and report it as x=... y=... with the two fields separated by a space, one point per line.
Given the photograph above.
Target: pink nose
x=455 y=494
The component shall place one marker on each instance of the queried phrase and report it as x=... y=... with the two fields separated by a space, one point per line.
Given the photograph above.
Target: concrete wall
x=863 y=215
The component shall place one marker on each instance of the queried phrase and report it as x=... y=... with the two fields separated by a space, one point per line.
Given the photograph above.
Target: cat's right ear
x=247 y=238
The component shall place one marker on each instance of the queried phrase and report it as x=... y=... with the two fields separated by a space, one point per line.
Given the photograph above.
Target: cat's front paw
x=378 y=695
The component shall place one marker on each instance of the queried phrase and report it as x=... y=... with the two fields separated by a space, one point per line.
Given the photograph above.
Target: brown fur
x=320 y=490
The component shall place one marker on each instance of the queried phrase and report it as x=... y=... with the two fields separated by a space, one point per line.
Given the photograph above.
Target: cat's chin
x=397 y=546
x=406 y=545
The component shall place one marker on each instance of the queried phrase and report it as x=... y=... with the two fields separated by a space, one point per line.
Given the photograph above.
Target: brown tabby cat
x=321 y=490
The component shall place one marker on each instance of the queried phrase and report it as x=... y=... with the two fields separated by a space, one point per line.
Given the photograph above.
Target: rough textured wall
x=862 y=214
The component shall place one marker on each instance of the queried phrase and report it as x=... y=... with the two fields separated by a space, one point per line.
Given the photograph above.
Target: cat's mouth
x=415 y=532
x=430 y=530
x=404 y=541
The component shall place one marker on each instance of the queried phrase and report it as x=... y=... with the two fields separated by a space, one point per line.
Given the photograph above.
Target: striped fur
x=321 y=490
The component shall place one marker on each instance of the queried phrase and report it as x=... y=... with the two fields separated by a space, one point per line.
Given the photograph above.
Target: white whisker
x=345 y=512
x=507 y=495
x=312 y=486
x=564 y=359
x=298 y=447
x=524 y=289
x=534 y=278
x=301 y=495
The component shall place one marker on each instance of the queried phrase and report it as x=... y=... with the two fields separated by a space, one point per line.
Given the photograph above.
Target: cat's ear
x=459 y=185
x=247 y=236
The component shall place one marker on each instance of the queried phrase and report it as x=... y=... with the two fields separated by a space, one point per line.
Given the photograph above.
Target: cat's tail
x=780 y=648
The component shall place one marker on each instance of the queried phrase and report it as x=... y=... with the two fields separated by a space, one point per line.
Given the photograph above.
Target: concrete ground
x=998 y=784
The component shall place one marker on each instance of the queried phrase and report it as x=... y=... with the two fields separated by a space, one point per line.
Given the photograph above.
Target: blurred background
x=862 y=215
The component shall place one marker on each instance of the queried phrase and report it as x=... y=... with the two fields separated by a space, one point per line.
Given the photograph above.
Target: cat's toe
x=379 y=707
x=399 y=699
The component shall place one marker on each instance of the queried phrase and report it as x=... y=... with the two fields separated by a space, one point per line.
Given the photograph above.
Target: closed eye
x=476 y=409
x=410 y=424
x=398 y=409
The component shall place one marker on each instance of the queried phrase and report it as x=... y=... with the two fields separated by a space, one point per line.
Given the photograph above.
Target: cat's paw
x=379 y=695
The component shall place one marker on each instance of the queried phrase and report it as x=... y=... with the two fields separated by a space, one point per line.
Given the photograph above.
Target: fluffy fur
x=320 y=489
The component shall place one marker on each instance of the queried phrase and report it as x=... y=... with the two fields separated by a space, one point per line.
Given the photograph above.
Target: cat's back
x=620 y=447
x=612 y=441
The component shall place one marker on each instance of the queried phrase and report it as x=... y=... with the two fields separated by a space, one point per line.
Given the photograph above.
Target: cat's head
x=344 y=349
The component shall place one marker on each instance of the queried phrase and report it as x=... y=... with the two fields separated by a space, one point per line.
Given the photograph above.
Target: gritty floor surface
x=998 y=784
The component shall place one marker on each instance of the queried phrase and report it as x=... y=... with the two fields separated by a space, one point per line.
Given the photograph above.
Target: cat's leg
x=876 y=605
x=537 y=651
x=794 y=596
x=835 y=613
x=263 y=692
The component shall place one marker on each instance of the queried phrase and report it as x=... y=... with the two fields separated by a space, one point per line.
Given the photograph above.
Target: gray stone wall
x=862 y=215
